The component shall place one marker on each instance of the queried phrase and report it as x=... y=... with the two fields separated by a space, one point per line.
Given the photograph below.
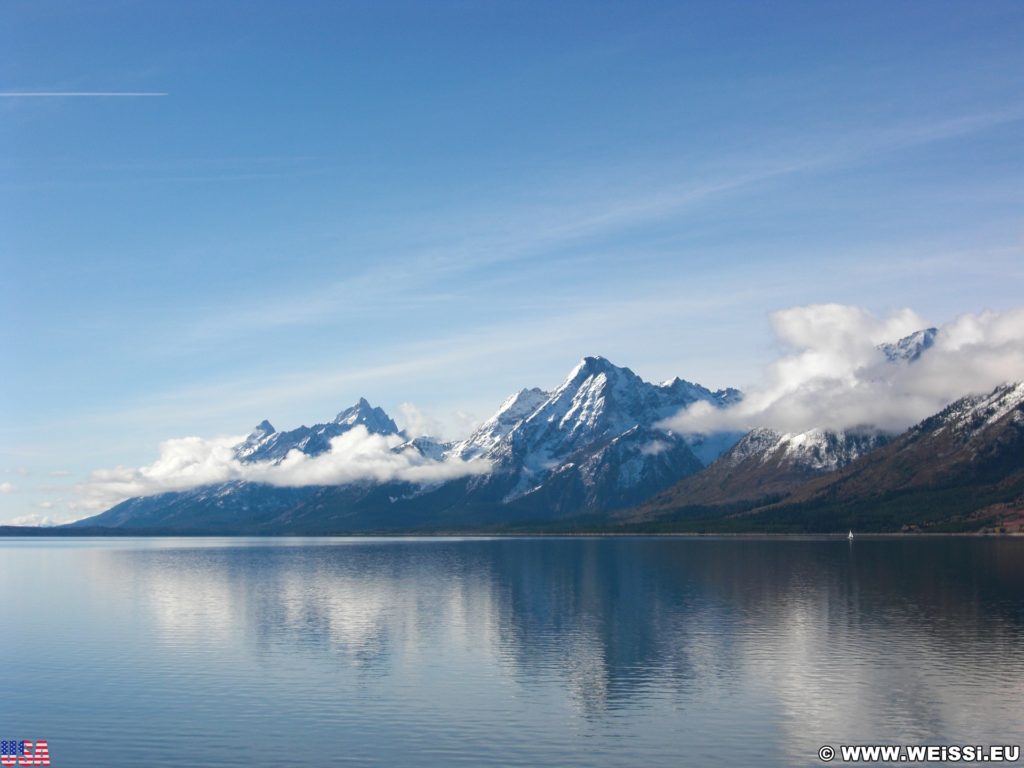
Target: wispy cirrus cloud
x=78 y=94
x=535 y=235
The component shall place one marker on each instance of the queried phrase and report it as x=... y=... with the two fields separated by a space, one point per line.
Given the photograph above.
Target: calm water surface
x=567 y=652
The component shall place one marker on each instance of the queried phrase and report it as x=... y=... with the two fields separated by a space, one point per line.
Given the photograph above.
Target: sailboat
x=850 y=536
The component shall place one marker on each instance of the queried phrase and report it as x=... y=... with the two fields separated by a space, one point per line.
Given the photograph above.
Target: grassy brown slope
x=725 y=485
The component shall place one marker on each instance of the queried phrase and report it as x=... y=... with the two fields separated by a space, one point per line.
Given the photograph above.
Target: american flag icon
x=23 y=752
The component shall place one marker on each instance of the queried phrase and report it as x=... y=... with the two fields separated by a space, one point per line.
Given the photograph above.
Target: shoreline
x=7 y=532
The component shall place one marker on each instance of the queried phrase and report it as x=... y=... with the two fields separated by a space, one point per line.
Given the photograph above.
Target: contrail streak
x=62 y=94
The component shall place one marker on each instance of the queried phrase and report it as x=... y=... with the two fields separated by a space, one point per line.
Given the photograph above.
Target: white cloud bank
x=416 y=422
x=831 y=374
x=190 y=462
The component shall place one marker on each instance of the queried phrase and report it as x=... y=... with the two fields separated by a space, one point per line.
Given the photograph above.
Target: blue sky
x=439 y=203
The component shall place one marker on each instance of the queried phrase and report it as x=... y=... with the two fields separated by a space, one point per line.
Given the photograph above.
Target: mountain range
x=594 y=454
x=590 y=446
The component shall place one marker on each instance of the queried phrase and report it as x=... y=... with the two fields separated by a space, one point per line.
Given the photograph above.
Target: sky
x=294 y=204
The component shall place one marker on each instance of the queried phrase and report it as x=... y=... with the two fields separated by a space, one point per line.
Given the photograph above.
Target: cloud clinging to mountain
x=191 y=462
x=832 y=375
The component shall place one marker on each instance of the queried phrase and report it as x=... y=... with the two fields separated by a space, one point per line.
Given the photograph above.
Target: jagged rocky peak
x=595 y=364
x=257 y=438
x=375 y=420
x=596 y=401
x=599 y=372
x=911 y=347
x=597 y=387
x=757 y=442
x=728 y=396
x=262 y=429
x=486 y=438
x=264 y=443
x=536 y=430
x=681 y=388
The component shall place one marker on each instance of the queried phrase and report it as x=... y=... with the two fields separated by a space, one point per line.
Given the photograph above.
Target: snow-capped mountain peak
x=593 y=444
x=596 y=401
x=262 y=429
x=910 y=348
x=265 y=443
x=534 y=433
x=375 y=420
x=757 y=442
x=255 y=440
x=972 y=415
x=595 y=391
x=519 y=406
x=593 y=365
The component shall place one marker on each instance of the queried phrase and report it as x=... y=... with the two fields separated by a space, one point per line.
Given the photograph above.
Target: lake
x=532 y=651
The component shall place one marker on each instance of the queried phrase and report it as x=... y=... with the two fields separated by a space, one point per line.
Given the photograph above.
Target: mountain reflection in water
x=553 y=651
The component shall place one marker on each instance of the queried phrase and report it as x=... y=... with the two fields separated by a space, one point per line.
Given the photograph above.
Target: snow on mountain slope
x=972 y=416
x=818 y=450
x=599 y=399
x=595 y=402
x=488 y=435
x=535 y=434
x=960 y=469
x=621 y=472
x=763 y=464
